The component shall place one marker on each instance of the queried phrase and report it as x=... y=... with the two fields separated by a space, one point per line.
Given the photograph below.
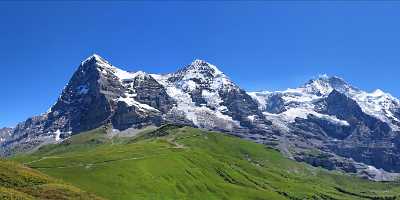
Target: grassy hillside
x=22 y=183
x=186 y=163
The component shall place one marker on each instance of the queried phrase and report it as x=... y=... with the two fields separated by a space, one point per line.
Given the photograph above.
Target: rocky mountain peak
x=383 y=97
x=141 y=75
x=95 y=64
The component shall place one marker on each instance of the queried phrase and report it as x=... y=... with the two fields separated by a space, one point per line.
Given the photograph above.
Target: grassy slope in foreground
x=18 y=182
x=186 y=163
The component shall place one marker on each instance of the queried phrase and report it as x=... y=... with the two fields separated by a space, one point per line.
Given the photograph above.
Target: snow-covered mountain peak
x=129 y=76
x=324 y=85
x=200 y=74
x=141 y=73
x=106 y=68
x=378 y=93
x=95 y=58
x=311 y=91
x=201 y=67
x=199 y=62
x=96 y=63
x=379 y=104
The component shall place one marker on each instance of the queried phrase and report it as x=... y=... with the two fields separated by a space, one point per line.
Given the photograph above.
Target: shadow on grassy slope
x=18 y=182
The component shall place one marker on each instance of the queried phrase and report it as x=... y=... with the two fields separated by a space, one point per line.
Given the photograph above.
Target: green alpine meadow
x=175 y=162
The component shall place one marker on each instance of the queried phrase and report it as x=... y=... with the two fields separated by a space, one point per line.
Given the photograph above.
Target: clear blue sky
x=260 y=45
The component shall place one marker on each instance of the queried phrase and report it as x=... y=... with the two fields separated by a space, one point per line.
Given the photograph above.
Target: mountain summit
x=325 y=122
x=201 y=67
x=325 y=84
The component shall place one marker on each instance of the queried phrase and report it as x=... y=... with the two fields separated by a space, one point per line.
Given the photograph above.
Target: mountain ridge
x=295 y=121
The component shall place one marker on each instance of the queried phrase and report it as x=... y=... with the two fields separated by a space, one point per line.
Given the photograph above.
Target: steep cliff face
x=87 y=100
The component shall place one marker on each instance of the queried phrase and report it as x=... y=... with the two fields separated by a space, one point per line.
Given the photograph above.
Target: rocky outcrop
x=149 y=91
x=5 y=133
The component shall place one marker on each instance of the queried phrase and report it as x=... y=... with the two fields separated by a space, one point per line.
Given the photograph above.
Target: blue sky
x=260 y=45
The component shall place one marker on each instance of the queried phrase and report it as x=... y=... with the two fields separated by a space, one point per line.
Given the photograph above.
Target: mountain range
x=326 y=122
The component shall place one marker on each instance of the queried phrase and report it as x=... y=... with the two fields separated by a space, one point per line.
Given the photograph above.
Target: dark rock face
x=275 y=104
x=365 y=139
x=378 y=154
x=240 y=105
x=85 y=103
x=327 y=161
x=149 y=91
x=126 y=117
x=314 y=127
x=19 y=139
x=78 y=112
x=345 y=108
x=146 y=90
